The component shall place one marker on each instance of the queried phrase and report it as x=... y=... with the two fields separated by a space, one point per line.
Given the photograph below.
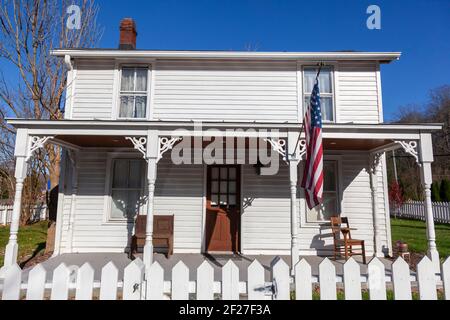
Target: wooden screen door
x=223 y=209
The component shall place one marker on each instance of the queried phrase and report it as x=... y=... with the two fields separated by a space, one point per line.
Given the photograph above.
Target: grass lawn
x=31 y=240
x=414 y=234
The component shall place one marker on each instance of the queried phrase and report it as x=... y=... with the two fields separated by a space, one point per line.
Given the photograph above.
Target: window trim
x=107 y=211
x=332 y=94
x=304 y=223
x=118 y=91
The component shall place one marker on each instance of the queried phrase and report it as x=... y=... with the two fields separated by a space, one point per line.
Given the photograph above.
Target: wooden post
x=292 y=156
x=426 y=158
x=21 y=152
x=374 y=167
x=152 y=156
x=73 y=156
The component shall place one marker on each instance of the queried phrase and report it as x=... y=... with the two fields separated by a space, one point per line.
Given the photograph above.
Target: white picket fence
x=416 y=210
x=39 y=214
x=70 y=283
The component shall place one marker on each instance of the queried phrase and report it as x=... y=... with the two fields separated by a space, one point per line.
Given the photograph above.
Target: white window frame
x=304 y=208
x=111 y=158
x=331 y=95
x=148 y=91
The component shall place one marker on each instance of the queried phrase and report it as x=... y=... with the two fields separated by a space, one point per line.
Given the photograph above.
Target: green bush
x=445 y=191
x=435 y=192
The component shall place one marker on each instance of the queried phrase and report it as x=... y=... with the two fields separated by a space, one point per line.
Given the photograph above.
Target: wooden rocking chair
x=345 y=247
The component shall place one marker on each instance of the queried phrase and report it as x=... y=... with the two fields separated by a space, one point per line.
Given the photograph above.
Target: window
x=330 y=206
x=326 y=90
x=223 y=186
x=126 y=189
x=133 y=93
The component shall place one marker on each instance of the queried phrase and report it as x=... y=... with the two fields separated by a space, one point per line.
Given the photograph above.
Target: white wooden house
x=124 y=111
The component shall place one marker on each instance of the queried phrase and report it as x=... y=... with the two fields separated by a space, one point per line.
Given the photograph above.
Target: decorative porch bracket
x=410 y=147
x=278 y=146
x=36 y=143
x=165 y=144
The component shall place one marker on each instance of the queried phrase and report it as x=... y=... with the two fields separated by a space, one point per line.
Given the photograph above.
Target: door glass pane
x=232 y=186
x=223 y=200
x=120 y=174
x=232 y=200
x=223 y=187
x=214 y=199
x=223 y=174
x=214 y=186
x=215 y=173
x=127 y=83
x=232 y=173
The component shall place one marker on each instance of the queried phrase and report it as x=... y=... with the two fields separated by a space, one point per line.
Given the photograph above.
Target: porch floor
x=192 y=261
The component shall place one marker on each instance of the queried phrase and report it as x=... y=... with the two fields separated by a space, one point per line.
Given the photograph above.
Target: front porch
x=192 y=261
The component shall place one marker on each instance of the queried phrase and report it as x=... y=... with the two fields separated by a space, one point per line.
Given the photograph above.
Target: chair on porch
x=345 y=247
x=162 y=234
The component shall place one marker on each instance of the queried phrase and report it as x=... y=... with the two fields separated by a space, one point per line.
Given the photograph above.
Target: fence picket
x=12 y=282
x=36 y=283
x=303 y=283
x=155 y=282
x=108 y=282
x=426 y=279
x=446 y=278
x=85 y=282
x=230 y=281
x=281 y=279
x=352 y=280
x=180 y=282
x=401 y=280
x=416 y=210
x=60 y=283
x=133 y=277
x=377 y=281
x=256 y=281
x=327 y=280
x=205 y=282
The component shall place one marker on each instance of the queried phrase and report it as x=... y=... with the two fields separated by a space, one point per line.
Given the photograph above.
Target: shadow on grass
x=39 y=248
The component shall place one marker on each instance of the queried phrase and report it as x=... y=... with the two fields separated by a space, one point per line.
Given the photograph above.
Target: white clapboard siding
x=226 y=90
x=327 y=280
x=377 y=281
x=36 y=283
x=108 y=282
x=401 y=280
x=132 y=280
x=303 y=281
x=205 y=282
x=352 y=280
x=426 y=279
x=256 y=282
x=230 y=281
x=180 y=282
x=281 y=279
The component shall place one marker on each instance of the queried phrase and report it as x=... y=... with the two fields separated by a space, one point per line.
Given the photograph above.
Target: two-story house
x=128 y=111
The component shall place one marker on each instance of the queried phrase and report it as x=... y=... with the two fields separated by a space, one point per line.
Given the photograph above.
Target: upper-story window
x=326 y=90
x=133 y=93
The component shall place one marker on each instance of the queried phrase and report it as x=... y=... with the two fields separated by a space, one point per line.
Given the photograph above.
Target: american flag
x=313 y=175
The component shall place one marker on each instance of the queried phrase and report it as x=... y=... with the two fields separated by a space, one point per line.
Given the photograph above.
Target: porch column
x=73 y=156
x=426 y=159
x=374 y=168
x=21 y=152
x=293 y=158
x=152 y=160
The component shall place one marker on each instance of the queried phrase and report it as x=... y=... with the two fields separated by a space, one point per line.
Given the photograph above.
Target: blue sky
x=419 y=29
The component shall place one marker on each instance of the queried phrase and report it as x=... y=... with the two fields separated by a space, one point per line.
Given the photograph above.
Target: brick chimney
x=127 y=34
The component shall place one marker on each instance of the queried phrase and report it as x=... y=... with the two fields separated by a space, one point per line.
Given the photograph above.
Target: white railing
x=416 y=210
x=78 y=283
x=39 y=214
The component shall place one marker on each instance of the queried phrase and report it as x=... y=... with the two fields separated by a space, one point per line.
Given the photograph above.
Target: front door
x=223 y=209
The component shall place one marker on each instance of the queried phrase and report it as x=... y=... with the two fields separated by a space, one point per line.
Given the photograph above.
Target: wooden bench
x=162 y=234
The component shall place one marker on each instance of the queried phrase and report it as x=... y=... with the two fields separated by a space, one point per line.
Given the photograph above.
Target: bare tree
x=33 y=83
